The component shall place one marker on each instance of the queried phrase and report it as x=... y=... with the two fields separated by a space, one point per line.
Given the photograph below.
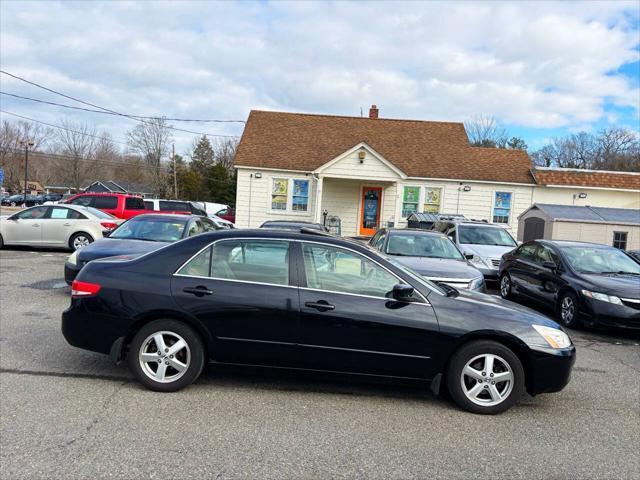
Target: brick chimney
x=373 y=112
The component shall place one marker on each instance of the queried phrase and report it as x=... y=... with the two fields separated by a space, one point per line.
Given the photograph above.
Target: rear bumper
x=84 y=328
x=550 y=370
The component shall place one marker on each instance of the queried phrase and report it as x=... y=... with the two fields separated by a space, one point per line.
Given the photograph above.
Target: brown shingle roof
x=420 y=149
x=588 y=178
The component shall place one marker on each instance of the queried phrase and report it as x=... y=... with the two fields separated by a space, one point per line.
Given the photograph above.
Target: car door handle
x=199 y=291
x=35 y=225
x=66 y=224
x=320 y=305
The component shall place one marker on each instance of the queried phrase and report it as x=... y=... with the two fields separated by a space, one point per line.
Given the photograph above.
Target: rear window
x=84 y=200
x=99 y=213
x=167 y=206
x=106 y=203
x=134 y=203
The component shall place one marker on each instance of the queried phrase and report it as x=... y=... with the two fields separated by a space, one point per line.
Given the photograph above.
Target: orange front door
x=370 y=210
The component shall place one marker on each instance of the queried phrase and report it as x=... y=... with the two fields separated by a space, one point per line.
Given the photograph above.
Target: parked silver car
x=483 y=243
x=429 y=254
x=65 y=226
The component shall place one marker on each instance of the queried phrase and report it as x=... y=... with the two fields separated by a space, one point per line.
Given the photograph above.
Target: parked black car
x=49 y=197
x=585 y=282
x=310 y=301
x=293 y=225
x=19 y=199
x=138 y=235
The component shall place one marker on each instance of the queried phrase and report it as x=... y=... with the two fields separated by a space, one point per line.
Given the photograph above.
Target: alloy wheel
x=505 y=286
x=567 y=310
x=164 y=356
x=487 y=380
x=80 y=241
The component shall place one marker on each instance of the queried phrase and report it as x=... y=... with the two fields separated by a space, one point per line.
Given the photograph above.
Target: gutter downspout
x=250 y=191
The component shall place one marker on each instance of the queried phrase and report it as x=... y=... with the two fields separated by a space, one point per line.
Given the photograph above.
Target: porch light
x=258 y=175
x=466 y=188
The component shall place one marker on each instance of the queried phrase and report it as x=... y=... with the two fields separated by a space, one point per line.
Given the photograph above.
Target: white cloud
x=538 y=64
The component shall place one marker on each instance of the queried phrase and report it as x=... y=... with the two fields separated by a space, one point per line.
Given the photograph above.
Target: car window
x=208 y=225
x=65 y=213
x=76 y=215
x=84 y=200
x=222 y=212
x=260 y=261
x=32 y=213
x=151 y=229
x=148 y=205
x=134 y=203
x=199 y=266
x=99 y=213
x=545 y=254
x=528 y=252
x=452 y=234
x=485 y=235
x=422 y=245
x=337 y=270
x=170 y=206
x=106 y=203
x=380 y=241
x=599 y=260
x=196 y=228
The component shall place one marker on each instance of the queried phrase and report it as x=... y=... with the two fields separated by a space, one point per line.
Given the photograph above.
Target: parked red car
x=228 y=213
x=117 y=204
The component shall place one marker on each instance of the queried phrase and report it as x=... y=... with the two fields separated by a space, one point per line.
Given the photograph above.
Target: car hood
x=111 y=247
x=439 y=267
x=625 y=286
x=485 y=251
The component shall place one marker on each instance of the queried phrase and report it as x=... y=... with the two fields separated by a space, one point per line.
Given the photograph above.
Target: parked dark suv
x=584 y=282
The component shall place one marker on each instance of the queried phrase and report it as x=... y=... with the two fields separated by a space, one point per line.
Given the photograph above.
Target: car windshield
x=600 y=260
x=155 y=230
x=485 y=235
x=422 y=245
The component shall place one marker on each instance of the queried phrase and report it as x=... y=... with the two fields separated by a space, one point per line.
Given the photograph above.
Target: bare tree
x=77 y=144
x=484 y=131
x=225 y=152
x=106 y=155
x=151 y=140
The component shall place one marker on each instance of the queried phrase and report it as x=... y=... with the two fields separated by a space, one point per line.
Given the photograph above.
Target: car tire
x=180 y=368
x=1 y=241
x=506 y=287
x=478 y=393
x=567 y=310
x=79 y=240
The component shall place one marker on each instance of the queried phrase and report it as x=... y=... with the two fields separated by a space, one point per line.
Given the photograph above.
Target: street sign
x=1 y=176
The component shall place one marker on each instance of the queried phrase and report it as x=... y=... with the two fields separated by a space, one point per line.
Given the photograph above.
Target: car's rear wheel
x=79 y=240
x=568 y=310
x=166 y=355
x=506 y=288
x=485 y=377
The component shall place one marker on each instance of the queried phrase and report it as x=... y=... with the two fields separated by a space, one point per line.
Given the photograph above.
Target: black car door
x=244 y=291
x=549 y=279
x=523 y=269
x=348 y=323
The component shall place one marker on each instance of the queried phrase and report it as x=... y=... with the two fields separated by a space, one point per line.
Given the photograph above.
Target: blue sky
x=542 y=69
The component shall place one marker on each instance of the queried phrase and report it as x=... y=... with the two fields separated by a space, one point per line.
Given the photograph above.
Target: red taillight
x=109 y=225
x=84 y=289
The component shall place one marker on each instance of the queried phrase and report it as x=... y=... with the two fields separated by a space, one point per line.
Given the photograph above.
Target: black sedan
x=138 y=235
x=310 y=301
x=587 y=283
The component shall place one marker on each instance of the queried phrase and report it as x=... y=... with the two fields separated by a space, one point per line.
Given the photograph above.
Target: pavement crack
x=42 y=373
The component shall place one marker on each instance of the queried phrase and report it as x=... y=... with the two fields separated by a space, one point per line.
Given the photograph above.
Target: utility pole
x=175 y=174
x=27 y=144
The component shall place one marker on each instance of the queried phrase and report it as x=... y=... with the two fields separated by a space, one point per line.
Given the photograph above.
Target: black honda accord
x=307 y=300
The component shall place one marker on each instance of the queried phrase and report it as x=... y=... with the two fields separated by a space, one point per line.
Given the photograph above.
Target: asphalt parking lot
x=67 y=413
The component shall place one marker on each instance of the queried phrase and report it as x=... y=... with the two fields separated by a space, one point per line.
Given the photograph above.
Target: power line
x=109 y=110
x=60 y=127
x=128 y=115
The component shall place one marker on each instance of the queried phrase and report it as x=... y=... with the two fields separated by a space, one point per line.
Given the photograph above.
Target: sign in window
x=502 y=207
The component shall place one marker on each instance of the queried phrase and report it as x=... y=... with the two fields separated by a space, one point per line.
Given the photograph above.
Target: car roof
x=289 y=222
x=302 y=235
x=573 y=243
x=420 y=231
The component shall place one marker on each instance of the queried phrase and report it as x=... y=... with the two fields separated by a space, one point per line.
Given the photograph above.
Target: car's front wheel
x=568 y=310
x=166 y=355
x=506 y=288
x=485 y=377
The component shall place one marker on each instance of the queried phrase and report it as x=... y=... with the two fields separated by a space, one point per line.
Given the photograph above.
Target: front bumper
x=71 y=272
x=550 y=370
x=599 y=313
x=490 y=273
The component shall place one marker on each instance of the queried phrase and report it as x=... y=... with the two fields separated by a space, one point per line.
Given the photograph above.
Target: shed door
x=533 y=229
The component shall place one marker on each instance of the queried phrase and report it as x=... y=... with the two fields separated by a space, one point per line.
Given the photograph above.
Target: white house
x=372 y=171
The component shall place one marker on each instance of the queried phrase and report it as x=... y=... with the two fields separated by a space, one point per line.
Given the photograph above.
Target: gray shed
x=619 y=227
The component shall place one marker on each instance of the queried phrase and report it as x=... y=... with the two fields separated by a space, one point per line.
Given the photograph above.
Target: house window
x=279 y=190
x=432 y=199
x=502 y=207
x=410 y=201
x=300 y=201
x=620 y=240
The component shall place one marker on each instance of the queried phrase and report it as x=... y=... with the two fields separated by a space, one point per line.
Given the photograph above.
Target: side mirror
x=403 y=292
x=550 y=265
x=469 y=256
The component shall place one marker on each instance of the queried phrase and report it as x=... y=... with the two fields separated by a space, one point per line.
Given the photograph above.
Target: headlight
x=603 y=297
x=476 y=283
x=555 y=338
x=477 y=260
x=73 y=258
